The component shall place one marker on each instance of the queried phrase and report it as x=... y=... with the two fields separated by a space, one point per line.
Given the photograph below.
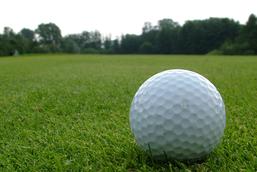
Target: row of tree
x=215 y=35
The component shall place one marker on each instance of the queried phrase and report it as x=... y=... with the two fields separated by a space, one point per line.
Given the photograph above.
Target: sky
x=116 y=17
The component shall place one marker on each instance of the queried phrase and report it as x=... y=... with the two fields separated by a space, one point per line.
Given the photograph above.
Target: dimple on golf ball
x=177 y=114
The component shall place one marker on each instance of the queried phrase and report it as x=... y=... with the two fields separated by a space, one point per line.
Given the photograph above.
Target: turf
x=70 y=112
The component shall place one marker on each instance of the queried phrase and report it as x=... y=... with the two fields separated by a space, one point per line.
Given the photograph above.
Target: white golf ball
x=177 y=114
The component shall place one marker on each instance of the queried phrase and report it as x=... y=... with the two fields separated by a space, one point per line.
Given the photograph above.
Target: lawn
x=71 y=112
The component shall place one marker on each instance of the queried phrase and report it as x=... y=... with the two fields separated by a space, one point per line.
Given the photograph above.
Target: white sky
x=116 y=16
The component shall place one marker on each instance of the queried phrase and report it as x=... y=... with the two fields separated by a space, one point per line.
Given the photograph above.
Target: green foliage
x=91 y=40
x=246 y=41
x=203 y=36
x=50 y=37
x=147 y=27
x=90 y=51
x=130 y=43
x=71 y=112
x=194 y=37
x=28 y=40
x=10 y=43
x=86 y=42
x=249 y=33
x=167 y=37
x=167 y=24
x=70 y=45
x=28 y=34
x=146 y=48
x=215 y=52
x=107 y=43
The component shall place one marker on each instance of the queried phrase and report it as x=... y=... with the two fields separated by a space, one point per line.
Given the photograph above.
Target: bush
x=215 y=52
x=236 y=47
x=146 y=48
x=90 y=51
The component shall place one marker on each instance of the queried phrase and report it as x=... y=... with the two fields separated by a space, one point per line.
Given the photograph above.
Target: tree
x=116 y=47
x=85 y=42
x=95 y=40
x=146 y=48
x=50 y=37
x=107 y=44
x=167 y=24
x=6 y=47
x=90 y=41
x=8 y=31
x=10 y=42
x=69 y=45
x=245 y=42
x=28 y=37
x=203 y=36
x=150 y=37
x=168 y=36
x=147 y=27
x=249 y=33
x=130 y=43
x=28 y=34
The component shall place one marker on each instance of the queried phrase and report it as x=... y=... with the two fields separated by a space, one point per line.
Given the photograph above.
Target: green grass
x=70 y=112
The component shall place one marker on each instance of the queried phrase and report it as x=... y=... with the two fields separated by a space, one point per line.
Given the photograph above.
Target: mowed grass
x=71 y=112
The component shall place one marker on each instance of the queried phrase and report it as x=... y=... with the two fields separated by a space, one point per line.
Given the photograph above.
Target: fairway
x=71 y=112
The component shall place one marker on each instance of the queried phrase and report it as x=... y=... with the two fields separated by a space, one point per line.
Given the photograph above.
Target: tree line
x=213 y=35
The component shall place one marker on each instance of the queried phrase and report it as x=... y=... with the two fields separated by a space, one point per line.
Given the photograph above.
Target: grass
x=70 y=112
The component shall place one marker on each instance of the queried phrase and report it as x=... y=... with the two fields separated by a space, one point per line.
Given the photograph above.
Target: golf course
x=65 y=112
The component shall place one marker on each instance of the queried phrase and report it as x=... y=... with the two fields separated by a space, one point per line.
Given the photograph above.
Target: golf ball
x=177 y=114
